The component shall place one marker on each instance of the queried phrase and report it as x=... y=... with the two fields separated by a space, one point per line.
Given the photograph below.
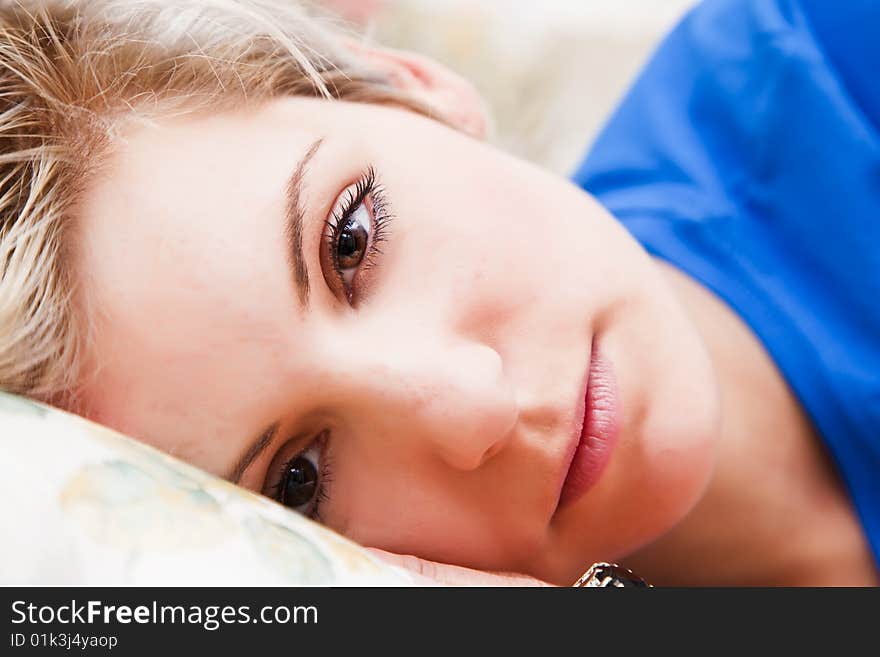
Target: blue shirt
x=748 y=154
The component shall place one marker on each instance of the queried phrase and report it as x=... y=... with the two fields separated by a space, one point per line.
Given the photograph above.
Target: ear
x=447 y=93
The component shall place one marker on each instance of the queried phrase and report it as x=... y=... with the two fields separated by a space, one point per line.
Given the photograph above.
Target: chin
x=682 y=459
x=660 y=471
x=678 y=452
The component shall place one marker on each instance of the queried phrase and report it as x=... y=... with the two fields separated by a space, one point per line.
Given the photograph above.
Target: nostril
x=491 y=451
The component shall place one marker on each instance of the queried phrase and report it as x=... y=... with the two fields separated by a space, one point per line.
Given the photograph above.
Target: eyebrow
x=293 y=232
x=293 y=225
x=258 y=445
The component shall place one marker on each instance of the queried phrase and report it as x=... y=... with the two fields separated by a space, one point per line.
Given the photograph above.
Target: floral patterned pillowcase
x=82 y=504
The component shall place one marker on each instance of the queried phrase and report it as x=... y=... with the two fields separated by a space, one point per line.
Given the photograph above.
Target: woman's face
x=389 y=325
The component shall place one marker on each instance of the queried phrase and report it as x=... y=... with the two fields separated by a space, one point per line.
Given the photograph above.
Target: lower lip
x=599 y=433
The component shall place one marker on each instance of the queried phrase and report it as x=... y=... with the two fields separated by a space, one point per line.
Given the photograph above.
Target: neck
x=775 y=511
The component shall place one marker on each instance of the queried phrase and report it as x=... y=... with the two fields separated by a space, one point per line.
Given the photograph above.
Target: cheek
x=482 y=245
x=394 y=502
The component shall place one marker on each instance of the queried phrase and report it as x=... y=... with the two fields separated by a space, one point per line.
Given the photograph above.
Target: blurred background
x=550 y=70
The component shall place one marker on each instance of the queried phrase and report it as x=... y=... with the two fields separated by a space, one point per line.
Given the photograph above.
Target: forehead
x=183 y=259
x=188 y=199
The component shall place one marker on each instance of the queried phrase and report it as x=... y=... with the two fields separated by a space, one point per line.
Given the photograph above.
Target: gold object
x=604 y=574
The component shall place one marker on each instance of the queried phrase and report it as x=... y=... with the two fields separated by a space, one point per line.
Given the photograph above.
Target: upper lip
x=580 y=417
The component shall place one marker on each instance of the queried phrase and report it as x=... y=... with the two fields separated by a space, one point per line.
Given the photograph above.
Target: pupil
x=350 y=246
x=347 y=244
x=300 y=482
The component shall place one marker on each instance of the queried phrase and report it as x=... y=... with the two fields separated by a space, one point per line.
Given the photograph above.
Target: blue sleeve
x=849 y=33
x=747 y=154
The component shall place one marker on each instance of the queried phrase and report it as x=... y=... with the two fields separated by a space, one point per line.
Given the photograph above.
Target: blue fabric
x=748 y=154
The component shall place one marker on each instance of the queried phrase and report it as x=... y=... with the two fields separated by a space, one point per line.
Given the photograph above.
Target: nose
x=451 y=400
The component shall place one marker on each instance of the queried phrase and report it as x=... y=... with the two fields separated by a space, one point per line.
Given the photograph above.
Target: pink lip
x=592 y=448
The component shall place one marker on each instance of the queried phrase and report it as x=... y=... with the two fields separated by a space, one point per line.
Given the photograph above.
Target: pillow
x=82 y=504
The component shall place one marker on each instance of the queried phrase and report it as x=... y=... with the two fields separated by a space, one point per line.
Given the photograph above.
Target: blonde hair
x=71 y=71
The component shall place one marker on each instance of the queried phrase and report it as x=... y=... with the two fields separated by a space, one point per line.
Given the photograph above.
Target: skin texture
x=451 y=387
x=448 y=388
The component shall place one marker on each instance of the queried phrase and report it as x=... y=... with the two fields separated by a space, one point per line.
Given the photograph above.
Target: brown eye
x=351 y=245
x=299 y=483
x=299 y=480
x=355 y=225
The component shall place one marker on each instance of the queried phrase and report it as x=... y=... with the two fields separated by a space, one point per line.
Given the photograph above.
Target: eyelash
x=325 y=475
x=367 y=186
